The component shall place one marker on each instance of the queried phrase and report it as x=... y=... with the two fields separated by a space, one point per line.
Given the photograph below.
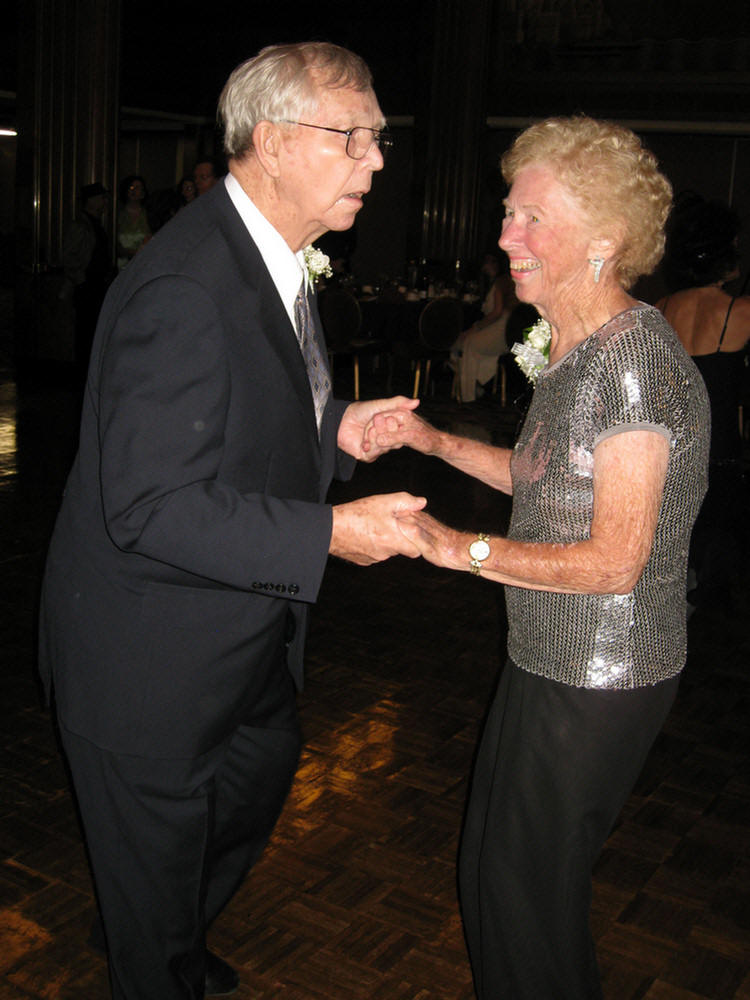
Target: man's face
x=320 y=186
x=204 y=177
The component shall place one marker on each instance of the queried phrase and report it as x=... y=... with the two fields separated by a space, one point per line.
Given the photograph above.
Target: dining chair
x=342 y=322
x=440 y=323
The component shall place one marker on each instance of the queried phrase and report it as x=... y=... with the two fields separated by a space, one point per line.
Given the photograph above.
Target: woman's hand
x=398 y=427
x=358 y=417
x=436 y=542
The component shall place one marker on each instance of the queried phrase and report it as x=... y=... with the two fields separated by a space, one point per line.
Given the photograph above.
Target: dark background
x=176 y=57
x=676 y=72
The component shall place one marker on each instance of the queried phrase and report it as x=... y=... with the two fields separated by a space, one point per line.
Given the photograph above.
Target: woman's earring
x=597 y=263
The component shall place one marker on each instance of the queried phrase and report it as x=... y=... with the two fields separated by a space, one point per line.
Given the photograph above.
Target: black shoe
x=221 y=979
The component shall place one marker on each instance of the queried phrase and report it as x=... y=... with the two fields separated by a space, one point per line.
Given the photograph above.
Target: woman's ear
x=602 y=247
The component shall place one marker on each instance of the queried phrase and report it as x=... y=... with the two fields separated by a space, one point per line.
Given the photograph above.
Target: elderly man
x=194 y=532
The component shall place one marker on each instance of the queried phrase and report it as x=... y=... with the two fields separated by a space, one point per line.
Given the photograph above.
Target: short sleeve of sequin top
x=631 y=374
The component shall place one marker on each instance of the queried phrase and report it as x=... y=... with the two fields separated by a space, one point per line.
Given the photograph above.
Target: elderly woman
x=607 y=477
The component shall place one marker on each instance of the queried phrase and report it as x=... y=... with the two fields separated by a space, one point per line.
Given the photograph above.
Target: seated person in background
x=714 y=327
x=477 y=350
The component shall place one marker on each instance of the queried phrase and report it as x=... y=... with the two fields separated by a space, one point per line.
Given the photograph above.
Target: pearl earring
x=597 y=263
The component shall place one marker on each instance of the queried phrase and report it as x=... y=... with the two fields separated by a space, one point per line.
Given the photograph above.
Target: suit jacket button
x=293 y=588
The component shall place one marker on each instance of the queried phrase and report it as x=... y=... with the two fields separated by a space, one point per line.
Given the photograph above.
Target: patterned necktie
x=317 y=370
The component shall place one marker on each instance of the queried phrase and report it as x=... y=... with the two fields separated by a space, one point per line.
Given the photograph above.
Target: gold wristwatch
x=479 y=550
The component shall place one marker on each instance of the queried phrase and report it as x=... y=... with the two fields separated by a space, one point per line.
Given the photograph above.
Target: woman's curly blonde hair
x=614 y=178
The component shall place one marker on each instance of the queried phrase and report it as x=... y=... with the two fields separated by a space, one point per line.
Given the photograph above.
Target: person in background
x=206 y=173
x=187 y=191
x=478 y=349
x=701 y=257
x=133 y=230
x=607 y=477
x=194 y=530
x=87 y=266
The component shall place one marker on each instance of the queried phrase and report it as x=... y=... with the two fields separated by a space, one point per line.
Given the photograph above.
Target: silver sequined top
x=631 y=374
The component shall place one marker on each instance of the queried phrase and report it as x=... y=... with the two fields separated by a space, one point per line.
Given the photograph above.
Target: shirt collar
x=287 y=269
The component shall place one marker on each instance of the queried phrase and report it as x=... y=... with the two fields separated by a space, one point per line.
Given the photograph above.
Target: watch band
x=475 y=563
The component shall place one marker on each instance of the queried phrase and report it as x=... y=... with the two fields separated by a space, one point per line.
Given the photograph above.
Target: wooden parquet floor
x=355 y=897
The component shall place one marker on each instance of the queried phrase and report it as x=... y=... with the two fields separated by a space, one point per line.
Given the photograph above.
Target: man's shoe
x=221 y=979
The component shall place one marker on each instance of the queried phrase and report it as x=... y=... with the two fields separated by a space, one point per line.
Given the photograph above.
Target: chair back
x=440 y=323
x=340 y=316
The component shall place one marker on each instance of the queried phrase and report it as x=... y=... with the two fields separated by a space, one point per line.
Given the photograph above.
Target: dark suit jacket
x=193 y=532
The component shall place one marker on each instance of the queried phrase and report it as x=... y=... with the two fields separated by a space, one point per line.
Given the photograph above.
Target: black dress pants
x=554 y=767
x=171 y=840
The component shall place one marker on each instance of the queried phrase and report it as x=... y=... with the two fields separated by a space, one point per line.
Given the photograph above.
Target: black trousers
x=171 y=840
x=554 y=767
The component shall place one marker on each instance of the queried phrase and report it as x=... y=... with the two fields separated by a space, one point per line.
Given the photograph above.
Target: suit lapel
x=262 y=300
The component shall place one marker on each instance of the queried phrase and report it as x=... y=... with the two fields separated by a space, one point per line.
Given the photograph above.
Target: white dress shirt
x=287 y=269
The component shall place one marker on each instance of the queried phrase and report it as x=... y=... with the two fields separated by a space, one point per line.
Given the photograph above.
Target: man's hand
x=357 y=416
x=366 y=531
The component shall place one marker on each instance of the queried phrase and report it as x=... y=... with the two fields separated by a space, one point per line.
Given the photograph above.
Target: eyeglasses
x=358 y=140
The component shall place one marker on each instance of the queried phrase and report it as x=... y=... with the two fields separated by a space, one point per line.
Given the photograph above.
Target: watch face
x=479 y=549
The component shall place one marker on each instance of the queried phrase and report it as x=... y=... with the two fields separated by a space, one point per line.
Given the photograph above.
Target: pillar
x=451 y=129
x=68 y=101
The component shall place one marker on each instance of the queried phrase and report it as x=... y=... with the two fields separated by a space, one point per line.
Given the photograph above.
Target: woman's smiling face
x=547 y=238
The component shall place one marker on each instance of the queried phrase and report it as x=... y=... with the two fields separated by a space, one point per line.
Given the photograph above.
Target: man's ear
x=267 y=146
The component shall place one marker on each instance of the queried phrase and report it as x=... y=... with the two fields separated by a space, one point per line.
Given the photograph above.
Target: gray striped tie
x=317 y=370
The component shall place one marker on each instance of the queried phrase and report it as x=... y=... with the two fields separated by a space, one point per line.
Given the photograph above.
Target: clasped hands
x=377 y=527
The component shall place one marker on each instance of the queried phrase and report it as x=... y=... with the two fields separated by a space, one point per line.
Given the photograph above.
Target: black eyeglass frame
x=381 y=137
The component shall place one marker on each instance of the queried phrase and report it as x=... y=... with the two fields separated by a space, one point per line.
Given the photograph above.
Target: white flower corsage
x=317 y=263
x=533 y=354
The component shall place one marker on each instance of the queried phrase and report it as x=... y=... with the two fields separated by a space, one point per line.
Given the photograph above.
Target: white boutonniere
x=533 y=354
x=317 y=263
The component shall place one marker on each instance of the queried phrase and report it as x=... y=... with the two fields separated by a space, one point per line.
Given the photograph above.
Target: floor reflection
x=7 y=432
